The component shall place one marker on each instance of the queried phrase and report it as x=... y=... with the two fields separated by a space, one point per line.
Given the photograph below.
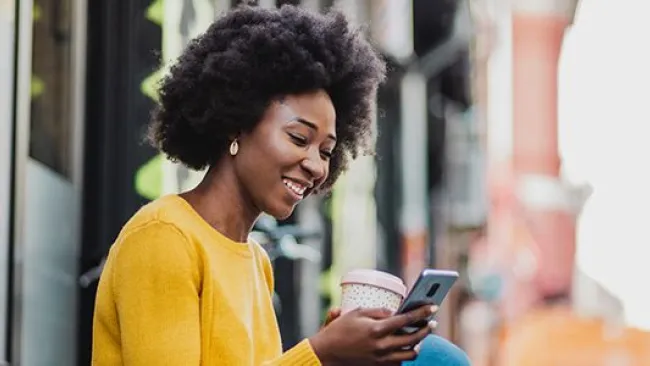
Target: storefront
x=41 y=92
x=70 y=99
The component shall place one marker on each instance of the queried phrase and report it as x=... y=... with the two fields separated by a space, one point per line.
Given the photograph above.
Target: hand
x=367 y=337
x=332 y=315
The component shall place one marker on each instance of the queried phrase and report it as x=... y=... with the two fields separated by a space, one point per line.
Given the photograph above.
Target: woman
x=274 y=103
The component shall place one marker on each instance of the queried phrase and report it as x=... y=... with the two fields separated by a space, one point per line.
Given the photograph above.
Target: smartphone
x=431 y=287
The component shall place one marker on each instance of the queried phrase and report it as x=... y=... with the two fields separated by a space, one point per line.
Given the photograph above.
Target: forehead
x=315 y=107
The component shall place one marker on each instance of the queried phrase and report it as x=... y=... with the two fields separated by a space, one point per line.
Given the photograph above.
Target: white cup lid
x=375 y=278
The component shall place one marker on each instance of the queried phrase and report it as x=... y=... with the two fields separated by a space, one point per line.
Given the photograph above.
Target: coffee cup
x=367 y=288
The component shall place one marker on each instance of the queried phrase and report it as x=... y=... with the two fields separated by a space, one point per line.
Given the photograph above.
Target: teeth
x=295 y=187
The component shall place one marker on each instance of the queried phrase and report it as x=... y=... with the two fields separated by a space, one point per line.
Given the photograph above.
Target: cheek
x=320 y=182
x=328 y=166
x=327 y=173
x=281 y=154
x=263 y=165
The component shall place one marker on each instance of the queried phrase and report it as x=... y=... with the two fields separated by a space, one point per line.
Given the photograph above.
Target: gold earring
x=234 y=147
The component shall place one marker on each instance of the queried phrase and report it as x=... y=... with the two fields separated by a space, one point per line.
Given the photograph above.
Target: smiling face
x=287 y=155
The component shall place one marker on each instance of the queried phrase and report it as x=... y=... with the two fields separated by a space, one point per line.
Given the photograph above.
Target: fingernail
x=434 y=308
x=417 y=348
x=433 y=325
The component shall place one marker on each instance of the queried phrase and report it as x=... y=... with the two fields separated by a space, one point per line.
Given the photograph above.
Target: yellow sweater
x=175 y=291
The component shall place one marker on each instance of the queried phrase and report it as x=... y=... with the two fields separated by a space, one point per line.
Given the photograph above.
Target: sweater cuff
x=301 y=354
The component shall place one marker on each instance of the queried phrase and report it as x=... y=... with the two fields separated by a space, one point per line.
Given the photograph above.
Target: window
x=51 y=113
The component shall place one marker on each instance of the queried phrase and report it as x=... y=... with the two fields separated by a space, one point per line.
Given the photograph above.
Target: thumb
x=332 y=314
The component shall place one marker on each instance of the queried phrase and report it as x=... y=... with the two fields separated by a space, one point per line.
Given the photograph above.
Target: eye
x=326 y=155
x=298 y=139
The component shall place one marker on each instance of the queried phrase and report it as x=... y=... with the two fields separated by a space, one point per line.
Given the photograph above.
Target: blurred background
x=511 y=148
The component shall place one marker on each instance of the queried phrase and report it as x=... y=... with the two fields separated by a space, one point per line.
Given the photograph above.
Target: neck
x=220 y=200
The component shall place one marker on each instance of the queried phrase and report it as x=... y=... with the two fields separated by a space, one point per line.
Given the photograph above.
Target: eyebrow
x=311 y=125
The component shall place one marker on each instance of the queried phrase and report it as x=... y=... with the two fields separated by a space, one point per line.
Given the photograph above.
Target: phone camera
x=434 y=288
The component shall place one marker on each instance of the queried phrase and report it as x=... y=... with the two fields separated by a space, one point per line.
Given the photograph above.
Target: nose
x=315 y=166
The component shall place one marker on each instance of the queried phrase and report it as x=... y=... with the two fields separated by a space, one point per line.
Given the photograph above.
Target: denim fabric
x=436 y=351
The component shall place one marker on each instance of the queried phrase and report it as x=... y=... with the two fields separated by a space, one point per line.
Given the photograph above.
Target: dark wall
x=433 y=22
x=388 y=185
x=122 y=47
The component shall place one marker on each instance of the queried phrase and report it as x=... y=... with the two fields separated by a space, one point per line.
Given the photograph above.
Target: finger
x=396 y=342
x=396 y=322
x=433 y=325
x=332 y=314
x=375 y=313
x=398 y=356
x=417 y=348
x=435 y=308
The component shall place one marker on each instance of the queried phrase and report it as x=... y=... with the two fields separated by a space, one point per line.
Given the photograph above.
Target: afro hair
x=227 y=77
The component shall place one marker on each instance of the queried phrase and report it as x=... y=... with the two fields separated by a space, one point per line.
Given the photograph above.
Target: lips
x=297 y=189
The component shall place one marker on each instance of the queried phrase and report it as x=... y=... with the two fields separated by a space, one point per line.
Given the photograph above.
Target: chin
x=280 y=212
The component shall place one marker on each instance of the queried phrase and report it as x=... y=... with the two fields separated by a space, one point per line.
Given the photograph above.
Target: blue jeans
x=436 y=351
